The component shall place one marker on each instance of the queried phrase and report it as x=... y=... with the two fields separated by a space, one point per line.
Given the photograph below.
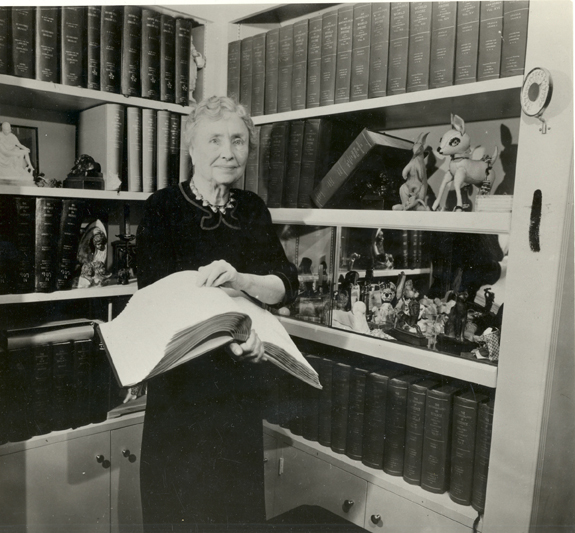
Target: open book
x=172 y=321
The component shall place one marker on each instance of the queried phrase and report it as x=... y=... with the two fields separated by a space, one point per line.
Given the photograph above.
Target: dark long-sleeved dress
x=202 y=449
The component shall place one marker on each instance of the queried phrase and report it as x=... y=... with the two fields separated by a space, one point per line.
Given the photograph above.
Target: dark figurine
x=458 y=316
x=86 y=166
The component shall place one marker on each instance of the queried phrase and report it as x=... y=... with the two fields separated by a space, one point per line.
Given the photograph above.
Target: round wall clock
x=536 y=92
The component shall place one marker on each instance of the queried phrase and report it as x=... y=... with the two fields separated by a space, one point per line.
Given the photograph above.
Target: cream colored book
x=172 y=321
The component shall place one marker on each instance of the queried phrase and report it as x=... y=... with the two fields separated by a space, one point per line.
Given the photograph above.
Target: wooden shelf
x=486 y=100
x=428 y=360
x=72 y=193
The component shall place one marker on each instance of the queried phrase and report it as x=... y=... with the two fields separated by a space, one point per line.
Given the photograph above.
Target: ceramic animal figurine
x=464 y=168
x=413 y=192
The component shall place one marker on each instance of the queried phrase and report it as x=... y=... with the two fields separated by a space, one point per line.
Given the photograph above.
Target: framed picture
x=28 y=136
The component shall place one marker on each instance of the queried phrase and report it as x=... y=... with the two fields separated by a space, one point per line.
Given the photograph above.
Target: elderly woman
x=202 y=450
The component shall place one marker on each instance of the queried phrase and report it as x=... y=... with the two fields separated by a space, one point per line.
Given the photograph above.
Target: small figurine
x=457 y=318
x=85 y=166
x=385 y=315
x=464 y=167
x=93 y=274
x=14 y=156
x=199 y=62
x=413 y=192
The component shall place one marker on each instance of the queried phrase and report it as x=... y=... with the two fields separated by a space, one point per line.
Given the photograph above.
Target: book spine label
x=481 y=460
x=111 y=49
x=48 y=212
x=278 y=156
x=355 y=421
x=23 y=42
x=134 y=153
x=62 y=385
x=325 y=402
x=183 y=35
x=47 y=44
x=379 y=50
x=328 y=58
x=285 y=67
x=5 y=39
x=515 y=23
x=294 y=162
x=162 y=148
x=131 y=47
x=467 y=42
x=398 y=48
x=443 y=26
x=264 y=166
x=360 y=58
x=314 y=62
x=414 y=435
x=68 y=240
x=395 y=427
x=345 y=26
x=246 y=73
x=300 y=59
x=149 y=152
x=259 y=75
x=167 y=58
x=25 y=243
x=308 y=163
x=272 y=72
x=252 y=166
x=93 y=29
x=490 y=40
x=174 y=149
x=340 y=406
x=150 y=58
x=419 y=46
x=72 y=46
x=233 y=82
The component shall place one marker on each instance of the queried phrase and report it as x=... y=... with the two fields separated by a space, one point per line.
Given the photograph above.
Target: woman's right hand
x=251 y=351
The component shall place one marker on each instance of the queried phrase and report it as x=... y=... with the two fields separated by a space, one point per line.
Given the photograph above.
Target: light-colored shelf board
x=421 y=358
x=72 y=193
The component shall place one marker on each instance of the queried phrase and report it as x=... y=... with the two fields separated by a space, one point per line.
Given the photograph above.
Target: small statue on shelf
x=413 y=192
x=198 y=62
x=92 y=257
x=14 y=157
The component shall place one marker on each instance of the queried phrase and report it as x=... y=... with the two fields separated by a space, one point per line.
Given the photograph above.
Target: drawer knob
x=126 y=453
x=347 y=505
x=103 y=461
x=99 y=458
x=376 y=518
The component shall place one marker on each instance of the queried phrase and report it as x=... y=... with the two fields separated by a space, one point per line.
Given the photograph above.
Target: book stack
x=433 y=434
x=370 y=50
x=59 y=378
x=127 y=50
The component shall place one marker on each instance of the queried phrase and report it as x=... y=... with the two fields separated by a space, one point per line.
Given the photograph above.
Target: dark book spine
x=419 y=46
x=252 y=166
x=340 y=406
x=328 y=58
x=395 y=424
x=356 y=414
x=310 y=404
x=314 y=61
x=233 y=82
x=272 y=403
x=82 y=360
x=415 y=419
x=46 y=51
x=308 y=163
x=48 y=213
x=379 y=50
x=466 y=42
x=8 y=245
x=343 y=58
x=149 y=152
x=167 y=58
x=111 y=49
x=19 y=380
x=278 y=157
x=294 y=162
x=131 y=84
x=68 y=239
x=23 y=37
x=40 y=391
x=300 y=53
x=264 y=166
x=295 y=391
x=481 y=460
x=490 y=40
x=284 y=404
x=182 y=66
x=5 y=39
x=25 y=243
x=258 y=74
x=174 y=149
x=134 y=148
x=435 y=462
x=246 y=72
x=360 y=58
x=93 y=43
x=105 y=390
x=515 y=23
x=162 y=148
x=442 y=55
x=465 y=411
x=398 y=48
x=285 y=67
x=72 y=48
x=325 y=375
x=185 y=163
x=150 y=58
x=63 y=401
x=272 y=72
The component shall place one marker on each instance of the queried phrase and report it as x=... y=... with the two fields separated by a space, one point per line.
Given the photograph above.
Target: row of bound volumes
x=54 y=377
x=435 y=435
x=128 y=50
x=39 y=240
x=139 y=150
x=370 y=50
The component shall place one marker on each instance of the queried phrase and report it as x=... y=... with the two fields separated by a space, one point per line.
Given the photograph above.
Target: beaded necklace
x=215 y=208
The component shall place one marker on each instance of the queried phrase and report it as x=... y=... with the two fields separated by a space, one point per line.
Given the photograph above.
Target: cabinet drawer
x=386 y=511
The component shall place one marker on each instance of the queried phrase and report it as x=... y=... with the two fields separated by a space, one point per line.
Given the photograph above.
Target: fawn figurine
x=413 y=192
x=464 y=167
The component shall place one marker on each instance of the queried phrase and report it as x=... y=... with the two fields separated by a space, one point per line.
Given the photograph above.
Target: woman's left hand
x=218 y=274
x=252 y=350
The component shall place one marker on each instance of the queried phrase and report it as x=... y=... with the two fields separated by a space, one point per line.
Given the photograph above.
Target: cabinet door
x=63 y=486
x=308 y=480
x=386 y=511
x=126 y=503
x=270 y=472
